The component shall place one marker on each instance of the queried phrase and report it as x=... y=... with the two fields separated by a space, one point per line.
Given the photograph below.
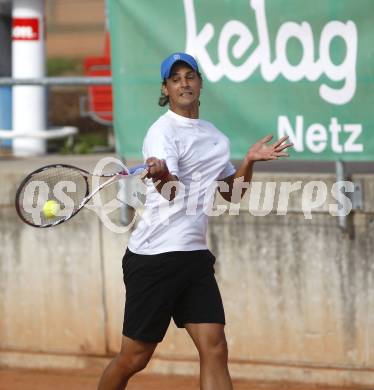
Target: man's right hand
x=157 y=169
x=160 y=175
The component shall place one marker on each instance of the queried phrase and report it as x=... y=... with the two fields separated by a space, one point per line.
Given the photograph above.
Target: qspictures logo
x=194 y=198
x=25 y=29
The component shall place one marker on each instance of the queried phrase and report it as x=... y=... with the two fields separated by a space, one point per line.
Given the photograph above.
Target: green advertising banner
x=305 y=69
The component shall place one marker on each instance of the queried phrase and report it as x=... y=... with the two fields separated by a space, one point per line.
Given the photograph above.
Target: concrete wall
x=298 y=293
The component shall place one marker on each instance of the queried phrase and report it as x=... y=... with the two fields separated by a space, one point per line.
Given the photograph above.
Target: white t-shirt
x=198 y=154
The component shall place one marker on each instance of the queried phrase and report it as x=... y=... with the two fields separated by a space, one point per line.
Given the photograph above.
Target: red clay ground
x=82 y=380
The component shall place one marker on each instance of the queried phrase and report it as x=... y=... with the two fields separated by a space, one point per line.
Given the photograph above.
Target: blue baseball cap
x=168 y=63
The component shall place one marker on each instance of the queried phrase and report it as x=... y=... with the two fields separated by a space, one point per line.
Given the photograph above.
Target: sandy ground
x=83 y=380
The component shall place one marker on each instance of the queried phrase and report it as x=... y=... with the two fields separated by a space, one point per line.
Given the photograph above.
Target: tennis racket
x=55 y=193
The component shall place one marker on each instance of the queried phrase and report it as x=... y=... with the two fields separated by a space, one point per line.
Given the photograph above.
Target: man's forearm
x=241 y=180
x=245 y=170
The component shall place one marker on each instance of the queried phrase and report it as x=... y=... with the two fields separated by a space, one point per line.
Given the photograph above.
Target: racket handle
x=132 y=170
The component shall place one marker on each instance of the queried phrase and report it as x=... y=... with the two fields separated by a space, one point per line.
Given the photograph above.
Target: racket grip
x=136 y=168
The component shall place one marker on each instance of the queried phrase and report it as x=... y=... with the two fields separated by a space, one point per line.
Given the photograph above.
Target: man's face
x=183 y=87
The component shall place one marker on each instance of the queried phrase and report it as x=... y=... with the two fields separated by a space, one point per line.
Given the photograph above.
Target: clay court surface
x=82 y=380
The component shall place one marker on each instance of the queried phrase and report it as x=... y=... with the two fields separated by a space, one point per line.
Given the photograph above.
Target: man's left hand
x=262 y=151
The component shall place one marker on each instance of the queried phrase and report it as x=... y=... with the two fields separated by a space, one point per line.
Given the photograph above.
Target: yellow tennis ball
x=50 y=208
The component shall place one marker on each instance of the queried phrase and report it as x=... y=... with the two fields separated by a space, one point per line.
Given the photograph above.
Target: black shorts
x=178 y=285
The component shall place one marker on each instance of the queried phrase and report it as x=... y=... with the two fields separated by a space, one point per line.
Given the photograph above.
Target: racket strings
x=52 y=195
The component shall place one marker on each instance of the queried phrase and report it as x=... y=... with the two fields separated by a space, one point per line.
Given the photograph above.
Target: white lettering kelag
x=311 y=67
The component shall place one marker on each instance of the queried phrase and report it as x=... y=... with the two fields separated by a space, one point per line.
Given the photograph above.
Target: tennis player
x=168 y=269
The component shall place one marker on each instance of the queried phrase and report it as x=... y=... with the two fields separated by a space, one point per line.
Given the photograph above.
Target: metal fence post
x=5 y=70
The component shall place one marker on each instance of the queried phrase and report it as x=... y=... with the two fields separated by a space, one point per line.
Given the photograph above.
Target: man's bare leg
x=211 y=343
x=133 y=357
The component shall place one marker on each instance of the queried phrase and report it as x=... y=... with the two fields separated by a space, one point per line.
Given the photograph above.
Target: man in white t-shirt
x=168 y=269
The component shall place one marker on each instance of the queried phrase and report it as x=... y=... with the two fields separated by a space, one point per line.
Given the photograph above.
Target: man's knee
x=139 y=362
x=215 y=351
x=134 y=361
x=135 y=354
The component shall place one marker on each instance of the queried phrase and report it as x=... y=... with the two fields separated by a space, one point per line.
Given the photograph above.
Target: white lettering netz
x=310 y=67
